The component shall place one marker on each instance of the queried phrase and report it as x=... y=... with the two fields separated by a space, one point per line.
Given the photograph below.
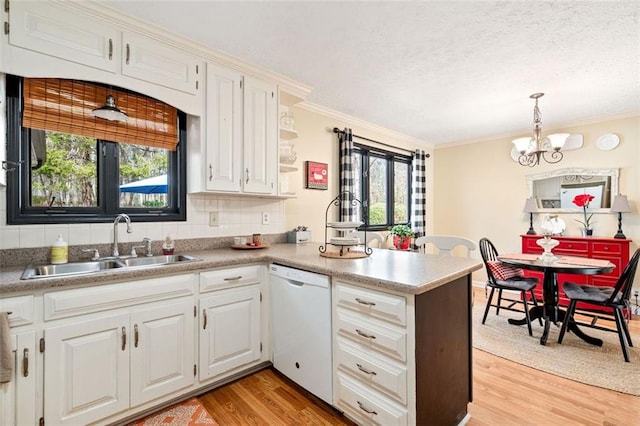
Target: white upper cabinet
x=239 y=150
x=260 y=136
x=223 y=129
x=64 y=33
x=156 y=62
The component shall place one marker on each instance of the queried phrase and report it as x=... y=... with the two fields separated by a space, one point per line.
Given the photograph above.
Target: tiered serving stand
x=346 y=247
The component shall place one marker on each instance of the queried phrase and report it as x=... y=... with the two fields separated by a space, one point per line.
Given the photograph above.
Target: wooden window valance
x=65 y=106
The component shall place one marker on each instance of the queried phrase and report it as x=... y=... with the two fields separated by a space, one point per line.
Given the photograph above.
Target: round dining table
x=550 y=311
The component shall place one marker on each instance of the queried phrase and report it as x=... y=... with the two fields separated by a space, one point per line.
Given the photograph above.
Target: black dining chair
x=616 y=298
x=504 y=277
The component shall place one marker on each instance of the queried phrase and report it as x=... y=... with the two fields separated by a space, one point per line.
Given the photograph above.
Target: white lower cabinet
x=18 y=397
x=121 y=352
x=230 y=330
x=372 y=356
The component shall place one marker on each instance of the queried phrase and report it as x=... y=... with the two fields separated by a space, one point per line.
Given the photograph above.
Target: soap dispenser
x=59 y=251
x=168 y=246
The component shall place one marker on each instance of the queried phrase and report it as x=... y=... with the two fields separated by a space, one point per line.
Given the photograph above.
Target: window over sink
x=76 y=168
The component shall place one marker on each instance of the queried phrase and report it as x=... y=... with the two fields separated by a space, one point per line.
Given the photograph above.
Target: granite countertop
x=407 y=272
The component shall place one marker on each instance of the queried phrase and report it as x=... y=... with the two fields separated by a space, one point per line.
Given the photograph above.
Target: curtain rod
x=336 y=130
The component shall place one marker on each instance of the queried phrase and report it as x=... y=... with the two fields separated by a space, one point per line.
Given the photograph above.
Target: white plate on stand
x=608 y=141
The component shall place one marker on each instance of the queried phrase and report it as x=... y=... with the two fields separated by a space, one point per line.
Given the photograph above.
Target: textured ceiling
x=442 y=72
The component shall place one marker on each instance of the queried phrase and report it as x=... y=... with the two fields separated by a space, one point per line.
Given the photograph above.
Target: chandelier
x=533 y=149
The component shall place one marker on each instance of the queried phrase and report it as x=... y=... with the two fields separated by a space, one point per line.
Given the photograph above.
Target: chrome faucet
x=127 y=219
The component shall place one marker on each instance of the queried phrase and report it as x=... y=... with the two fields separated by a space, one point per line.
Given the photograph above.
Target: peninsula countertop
x=407 y=272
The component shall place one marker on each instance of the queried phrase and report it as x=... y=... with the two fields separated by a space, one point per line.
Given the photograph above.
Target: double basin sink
x=83 y=268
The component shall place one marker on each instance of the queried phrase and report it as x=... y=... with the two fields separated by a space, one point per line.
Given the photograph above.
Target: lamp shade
x=557 y=140
x=109 y=111
x=620 y=204
x=530 y=206
x=522 y=144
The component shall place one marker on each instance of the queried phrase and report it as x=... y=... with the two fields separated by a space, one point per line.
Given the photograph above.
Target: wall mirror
x=554 y=191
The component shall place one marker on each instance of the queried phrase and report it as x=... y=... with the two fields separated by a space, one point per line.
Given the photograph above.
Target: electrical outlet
x=265 y=218
x=213 y=218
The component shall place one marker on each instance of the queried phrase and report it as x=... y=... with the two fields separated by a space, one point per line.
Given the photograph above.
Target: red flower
x=583 y=200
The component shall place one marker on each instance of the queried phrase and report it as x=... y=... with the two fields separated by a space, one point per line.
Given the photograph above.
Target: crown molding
x=328 y=112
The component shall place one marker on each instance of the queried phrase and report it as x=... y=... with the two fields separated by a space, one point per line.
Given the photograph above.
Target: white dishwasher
x=301 y=324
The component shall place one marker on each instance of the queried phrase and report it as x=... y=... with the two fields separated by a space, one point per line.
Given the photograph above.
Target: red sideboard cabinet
x=614 y=250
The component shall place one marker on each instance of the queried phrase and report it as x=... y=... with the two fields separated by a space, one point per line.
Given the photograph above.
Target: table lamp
x=531 y=207
x=620 y=205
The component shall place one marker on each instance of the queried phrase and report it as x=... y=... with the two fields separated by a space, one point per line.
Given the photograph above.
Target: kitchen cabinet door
x=156 y=62
x=18 y=397
x=162 y=350
x=229 y=330
x=86 y=370
x=260 y=136
x=223 y=143
x=63 y=32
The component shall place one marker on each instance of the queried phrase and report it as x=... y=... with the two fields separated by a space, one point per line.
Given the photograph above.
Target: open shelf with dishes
x=343 y=242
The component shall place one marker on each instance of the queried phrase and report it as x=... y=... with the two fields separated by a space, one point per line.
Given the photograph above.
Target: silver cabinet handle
x=124 y=338
x=110 y=49
x=210 y=172
x=135 y=335
x=128 y=53
x=239 y=277
x=365 y=302
x=204 y=315
x=366 y=410
x=25 y=362
x=366 y=371
x=365 y=335
x=247 y=175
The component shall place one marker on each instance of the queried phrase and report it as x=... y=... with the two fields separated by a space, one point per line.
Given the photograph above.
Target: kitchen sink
x=73 y=268
x=146 y=261
x=82 y=268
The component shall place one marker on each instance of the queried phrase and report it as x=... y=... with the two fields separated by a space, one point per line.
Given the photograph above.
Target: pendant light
x=533 y=149
x=109 y=111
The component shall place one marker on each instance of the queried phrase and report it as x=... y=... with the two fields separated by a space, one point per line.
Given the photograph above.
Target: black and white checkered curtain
x=347 y=209
x=418 y=193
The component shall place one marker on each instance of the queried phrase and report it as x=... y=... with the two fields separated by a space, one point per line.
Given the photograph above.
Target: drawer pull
x=124 y=338
x=110 y=49
x=25 y=362
x=365 y=302
x=365 y=409
x=204 y=316
x=135 y=335
x=365 y=335
x=239 y=277
x=364 y=370
x=606 y=248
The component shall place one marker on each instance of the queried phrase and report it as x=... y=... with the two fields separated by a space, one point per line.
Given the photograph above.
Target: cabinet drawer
x=372 y=370
x=611 y=249
x=366 y=406
x=66 y=303
x=230 y=277
x=375 y=304
x=375 y=335
x=21 y=309
x=572 y=247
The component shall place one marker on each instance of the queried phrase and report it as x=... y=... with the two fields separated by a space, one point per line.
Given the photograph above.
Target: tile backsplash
x=237 y=215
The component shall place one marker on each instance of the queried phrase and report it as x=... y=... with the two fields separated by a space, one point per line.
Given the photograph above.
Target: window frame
x=19 y=211
x=365 y=153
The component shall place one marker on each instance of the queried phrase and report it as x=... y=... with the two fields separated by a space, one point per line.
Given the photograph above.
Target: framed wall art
x=316 y=175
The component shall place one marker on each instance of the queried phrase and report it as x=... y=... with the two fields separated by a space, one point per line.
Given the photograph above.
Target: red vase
x=401 y=242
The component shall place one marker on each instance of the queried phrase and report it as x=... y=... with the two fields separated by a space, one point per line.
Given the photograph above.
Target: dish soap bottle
x=168 y=246
x=59 y=251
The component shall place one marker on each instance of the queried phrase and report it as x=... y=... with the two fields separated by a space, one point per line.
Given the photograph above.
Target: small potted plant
x=402 y=235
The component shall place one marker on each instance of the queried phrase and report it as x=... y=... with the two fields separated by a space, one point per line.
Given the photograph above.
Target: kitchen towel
x=6 y=358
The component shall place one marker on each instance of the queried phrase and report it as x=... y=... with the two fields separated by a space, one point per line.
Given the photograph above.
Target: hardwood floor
x=505 y=393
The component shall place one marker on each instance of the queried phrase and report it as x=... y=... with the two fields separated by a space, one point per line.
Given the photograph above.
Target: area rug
x=186 y=413
x=574 y=359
